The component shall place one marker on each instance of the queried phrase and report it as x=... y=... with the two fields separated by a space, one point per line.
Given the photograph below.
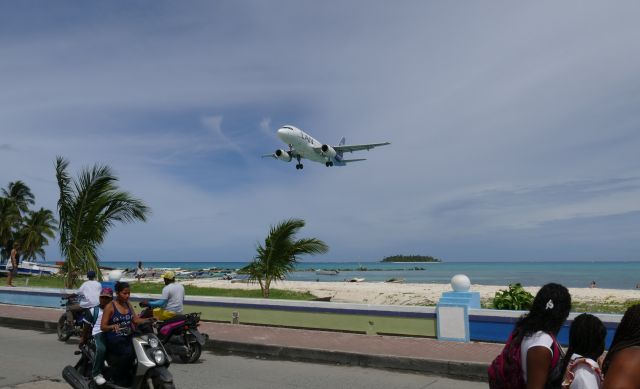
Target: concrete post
x=452 y=311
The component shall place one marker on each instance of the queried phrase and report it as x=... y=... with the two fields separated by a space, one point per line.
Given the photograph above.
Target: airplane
x=303 y=145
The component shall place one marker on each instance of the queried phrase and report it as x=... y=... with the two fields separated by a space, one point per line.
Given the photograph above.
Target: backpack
x=505 y=372
x=570 y=374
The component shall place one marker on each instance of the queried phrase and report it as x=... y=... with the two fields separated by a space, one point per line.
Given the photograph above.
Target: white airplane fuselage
x=304 y=145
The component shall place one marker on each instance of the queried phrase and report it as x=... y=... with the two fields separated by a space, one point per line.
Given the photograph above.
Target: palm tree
x=9 y=219
x=20 y=194
x=36 y=228
x=279 y=254
x=88 y=208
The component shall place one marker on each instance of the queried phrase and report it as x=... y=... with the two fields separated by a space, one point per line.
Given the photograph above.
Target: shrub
x=514 y=298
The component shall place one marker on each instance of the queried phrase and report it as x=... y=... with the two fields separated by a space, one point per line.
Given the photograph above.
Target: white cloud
x=488 y=107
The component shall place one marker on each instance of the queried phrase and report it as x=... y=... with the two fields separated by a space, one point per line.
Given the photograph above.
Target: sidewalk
x=424 y=355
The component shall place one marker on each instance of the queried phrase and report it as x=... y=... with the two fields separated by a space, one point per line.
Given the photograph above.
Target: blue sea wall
x=486 y=325
x=492 y=325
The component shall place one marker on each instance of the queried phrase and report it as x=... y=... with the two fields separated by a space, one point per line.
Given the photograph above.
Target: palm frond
x=88 y=211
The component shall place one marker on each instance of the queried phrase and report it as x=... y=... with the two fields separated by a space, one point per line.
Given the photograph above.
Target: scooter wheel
x=195 y=351
x=63 y=333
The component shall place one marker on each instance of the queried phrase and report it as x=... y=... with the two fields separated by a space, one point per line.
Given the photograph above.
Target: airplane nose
x=282 y=132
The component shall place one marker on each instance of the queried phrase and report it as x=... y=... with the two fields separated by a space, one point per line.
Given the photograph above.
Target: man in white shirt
x=172 y=300
x=89 y=294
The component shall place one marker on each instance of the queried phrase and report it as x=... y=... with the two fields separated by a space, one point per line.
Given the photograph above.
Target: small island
x=410 y=258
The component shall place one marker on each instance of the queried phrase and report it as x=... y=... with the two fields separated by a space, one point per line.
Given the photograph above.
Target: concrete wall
x=360 y=318
x=484 y=324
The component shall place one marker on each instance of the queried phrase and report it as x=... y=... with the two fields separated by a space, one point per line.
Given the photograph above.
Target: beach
x=428 y=294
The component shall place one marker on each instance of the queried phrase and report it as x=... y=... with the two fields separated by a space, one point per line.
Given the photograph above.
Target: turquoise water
x=615 y=275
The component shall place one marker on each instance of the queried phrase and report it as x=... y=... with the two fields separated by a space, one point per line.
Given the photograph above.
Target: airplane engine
x=328 y=151
x=283 y=155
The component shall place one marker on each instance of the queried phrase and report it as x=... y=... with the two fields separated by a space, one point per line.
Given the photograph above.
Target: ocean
x=614 y=275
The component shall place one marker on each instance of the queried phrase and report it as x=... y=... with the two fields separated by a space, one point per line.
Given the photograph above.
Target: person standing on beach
x=586 y=345
x=532 y=356
x=12 y=263
x=139 y=271
x=621 y=367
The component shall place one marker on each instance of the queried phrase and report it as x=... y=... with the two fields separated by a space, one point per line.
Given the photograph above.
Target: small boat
x=355 y=279
x=34 y=268
x=321 y=272
x=240 y=278
x=395 y=280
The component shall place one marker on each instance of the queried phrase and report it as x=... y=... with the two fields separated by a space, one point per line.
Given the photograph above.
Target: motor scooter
x=65 y=331
x=179 y=334
x=149 y=369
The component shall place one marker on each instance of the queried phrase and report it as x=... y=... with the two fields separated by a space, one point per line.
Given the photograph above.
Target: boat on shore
x=322 y=272
x=31 y=268
x=355 y=279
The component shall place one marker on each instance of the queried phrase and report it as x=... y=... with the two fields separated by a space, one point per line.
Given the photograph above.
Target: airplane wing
x=353 y=160
x=272 y=155
x=352 y=148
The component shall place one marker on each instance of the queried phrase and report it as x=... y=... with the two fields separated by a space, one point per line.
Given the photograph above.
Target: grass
x=156 y=288
x=606 y=306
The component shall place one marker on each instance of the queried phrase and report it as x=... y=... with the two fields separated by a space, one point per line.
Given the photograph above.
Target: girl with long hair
x=621 y=367
x=586 y=344
x=531 y=357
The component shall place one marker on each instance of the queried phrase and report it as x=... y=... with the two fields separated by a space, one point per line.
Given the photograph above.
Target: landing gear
x=299 y=165
x=328 y=164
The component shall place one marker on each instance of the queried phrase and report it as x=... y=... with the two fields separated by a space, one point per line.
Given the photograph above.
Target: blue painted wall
x=498 y=329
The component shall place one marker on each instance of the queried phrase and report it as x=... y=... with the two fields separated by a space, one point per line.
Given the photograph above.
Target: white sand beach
x=409 y=294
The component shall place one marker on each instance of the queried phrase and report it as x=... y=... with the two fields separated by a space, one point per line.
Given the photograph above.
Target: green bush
x=514 y=298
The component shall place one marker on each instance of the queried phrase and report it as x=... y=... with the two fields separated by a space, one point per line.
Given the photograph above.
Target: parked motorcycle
x=180 y=335
x=149 y=369
x=65 y=331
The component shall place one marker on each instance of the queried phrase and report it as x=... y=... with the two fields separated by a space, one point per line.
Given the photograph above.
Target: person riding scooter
x=119 y=316
x=92 y=326
x=172 y=301
x=89 y=294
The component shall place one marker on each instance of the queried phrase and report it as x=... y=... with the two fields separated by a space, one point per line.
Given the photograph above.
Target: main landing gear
x=299 y=165
x=328 y=164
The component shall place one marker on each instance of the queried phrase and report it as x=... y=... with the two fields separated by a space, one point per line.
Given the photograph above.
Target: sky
x=515 y=127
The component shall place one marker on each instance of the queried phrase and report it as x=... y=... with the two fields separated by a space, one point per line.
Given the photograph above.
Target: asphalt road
x=34 y=360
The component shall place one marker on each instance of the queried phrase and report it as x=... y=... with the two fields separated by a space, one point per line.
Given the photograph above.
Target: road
x=34 y=360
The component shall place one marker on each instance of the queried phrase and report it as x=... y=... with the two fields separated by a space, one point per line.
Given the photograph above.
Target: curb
x=453 y=369
x=471 y=371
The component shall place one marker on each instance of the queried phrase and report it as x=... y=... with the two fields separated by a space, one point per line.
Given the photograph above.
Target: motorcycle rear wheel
x=195 y=351
x=63 y=332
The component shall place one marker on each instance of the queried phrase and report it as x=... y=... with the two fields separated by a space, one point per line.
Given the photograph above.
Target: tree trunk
x=265 y=291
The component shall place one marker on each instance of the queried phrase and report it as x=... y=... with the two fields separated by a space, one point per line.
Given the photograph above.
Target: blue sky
x=515 y=127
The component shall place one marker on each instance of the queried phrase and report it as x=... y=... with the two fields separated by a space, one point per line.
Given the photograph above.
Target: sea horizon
x=610 y=274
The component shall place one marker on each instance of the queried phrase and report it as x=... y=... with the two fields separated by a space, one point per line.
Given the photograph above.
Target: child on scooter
x=93 y=322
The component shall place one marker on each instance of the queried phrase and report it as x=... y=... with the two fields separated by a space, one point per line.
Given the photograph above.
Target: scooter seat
x=174 y=319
